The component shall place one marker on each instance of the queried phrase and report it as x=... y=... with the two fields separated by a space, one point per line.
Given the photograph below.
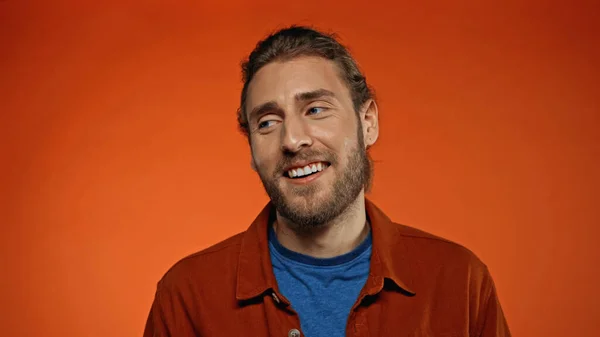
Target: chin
x=307 y=195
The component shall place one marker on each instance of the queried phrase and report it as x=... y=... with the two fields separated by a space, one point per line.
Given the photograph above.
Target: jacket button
x=294 y=333
x=276 y=299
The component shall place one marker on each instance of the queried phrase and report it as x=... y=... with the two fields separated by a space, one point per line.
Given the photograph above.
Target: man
x=320 y=259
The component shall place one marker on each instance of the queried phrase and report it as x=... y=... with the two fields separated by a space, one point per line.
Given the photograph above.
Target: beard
x=312 y=212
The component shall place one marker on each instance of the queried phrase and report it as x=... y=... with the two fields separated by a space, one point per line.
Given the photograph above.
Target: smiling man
x=321 y=259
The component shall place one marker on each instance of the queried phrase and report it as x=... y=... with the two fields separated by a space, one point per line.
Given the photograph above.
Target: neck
x=335 y=238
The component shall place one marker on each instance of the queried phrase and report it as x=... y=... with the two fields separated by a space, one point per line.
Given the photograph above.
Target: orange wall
x=120 y=153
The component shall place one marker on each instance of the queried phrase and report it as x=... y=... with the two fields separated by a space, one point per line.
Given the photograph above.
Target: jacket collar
x=389 y=261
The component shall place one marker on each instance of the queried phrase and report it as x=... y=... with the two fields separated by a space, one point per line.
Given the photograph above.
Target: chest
x=387 y=314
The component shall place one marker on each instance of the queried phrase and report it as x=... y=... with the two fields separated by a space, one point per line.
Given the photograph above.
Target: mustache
x=290 y=158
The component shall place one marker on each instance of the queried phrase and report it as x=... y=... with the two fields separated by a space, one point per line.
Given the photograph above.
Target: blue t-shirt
x=321 y=291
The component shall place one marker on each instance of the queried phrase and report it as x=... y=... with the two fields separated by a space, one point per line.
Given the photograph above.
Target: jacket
x=418 y=285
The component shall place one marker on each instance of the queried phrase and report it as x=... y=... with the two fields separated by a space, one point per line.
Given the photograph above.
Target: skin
x=300 y=110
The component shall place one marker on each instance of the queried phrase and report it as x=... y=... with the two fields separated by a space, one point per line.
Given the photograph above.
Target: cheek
x=321 y=132
x=348 y=144
x=264 y=156
x=332 y=134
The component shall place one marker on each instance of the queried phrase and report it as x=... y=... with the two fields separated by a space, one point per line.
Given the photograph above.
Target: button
x=276 y=298
x=294 y=333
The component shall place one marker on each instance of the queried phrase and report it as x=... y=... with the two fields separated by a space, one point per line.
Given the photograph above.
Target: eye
x=315 y=110
x=265 y=124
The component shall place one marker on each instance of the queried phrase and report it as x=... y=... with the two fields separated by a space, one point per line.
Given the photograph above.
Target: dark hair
x=297 y=41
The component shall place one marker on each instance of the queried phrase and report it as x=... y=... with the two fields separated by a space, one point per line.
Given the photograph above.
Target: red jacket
x=418 y=285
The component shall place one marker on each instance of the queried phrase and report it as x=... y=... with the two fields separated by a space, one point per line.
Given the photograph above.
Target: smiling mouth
x=305 y=171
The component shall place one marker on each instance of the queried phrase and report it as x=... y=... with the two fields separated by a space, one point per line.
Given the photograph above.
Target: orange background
x=120 y=153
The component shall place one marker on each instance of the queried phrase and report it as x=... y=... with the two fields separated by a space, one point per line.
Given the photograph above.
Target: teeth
x=306 y=170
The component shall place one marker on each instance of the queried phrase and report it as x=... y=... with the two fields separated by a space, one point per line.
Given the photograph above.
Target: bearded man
x=321 y=259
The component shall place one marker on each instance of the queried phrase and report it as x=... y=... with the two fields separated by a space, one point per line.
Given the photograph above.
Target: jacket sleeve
x=168 y=316
x=156 y=325
x=491 y=321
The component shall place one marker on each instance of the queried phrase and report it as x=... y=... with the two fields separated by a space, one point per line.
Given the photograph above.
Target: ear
x=369 y=117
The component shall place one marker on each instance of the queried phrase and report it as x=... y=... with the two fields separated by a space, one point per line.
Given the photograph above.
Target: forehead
x=280 y=81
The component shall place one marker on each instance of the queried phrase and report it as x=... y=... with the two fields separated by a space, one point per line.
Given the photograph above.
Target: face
x=308 y=143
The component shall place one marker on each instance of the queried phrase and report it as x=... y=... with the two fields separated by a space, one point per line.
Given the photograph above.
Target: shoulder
x=218 y=260
x=433 y=244
x=436 y=255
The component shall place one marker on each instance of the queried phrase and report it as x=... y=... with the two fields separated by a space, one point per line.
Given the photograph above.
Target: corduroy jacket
x=418 y=285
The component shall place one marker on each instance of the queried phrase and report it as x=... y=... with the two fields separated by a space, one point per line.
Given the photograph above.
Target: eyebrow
x=310 y=95
x=262 y=108
x=300 y=97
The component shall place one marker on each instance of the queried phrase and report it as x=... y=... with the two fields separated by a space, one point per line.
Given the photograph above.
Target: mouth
x=307 y=171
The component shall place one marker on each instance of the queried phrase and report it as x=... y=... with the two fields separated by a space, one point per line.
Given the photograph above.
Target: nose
x=294 y=135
